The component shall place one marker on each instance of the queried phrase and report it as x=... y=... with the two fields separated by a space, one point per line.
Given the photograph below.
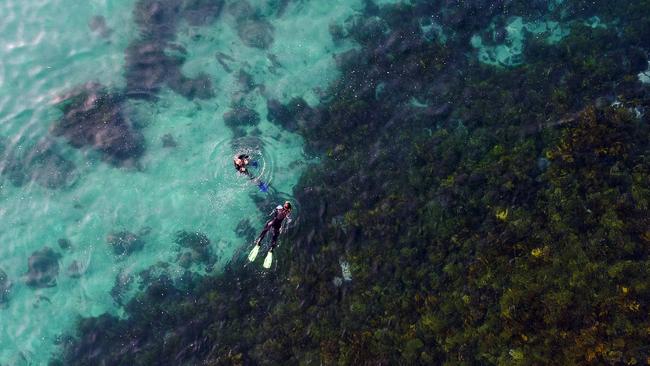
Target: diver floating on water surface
x=281 y=218
x=241 y=162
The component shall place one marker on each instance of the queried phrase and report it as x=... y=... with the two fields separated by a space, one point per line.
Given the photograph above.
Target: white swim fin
x=253 y=254
x=268 y=260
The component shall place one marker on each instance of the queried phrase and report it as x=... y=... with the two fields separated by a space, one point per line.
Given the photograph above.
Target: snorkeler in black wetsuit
x=277 y=223
x=241 y=162
x=281 y=218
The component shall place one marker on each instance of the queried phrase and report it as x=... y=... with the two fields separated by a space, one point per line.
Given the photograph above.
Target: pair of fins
x=253 y=254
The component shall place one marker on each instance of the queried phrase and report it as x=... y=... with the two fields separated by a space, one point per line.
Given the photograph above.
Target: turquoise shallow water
x=48 y=48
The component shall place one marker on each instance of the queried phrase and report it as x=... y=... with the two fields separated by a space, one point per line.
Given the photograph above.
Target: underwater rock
x=94 y=117
x=151 y=65
x=337 y=32
x=240 y=117
x=122 y=284
x=47 y=167
x=64 y=243
x=199 y=87
x=241 y=10
x=255 y=33
x=43 y=268
x=193 y=240
x=153 y=273
x=75 y=269
x=124 y=242
x=199 y=245
x=185 y=260
x=5 y=286
x=168 y=140
x=278 y=113
x=97 y=24
x=148 y=66
x=246 y=81
x=282 y=7
x=294 y=115
x=152 y=61
x=158 y=19
x=202 y=12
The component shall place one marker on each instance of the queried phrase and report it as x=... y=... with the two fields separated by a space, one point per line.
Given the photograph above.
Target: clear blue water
x=48 y=48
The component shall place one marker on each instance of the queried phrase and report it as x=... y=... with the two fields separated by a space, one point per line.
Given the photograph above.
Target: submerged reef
x=255 y=33
x=149 y=66
x=253 y=30
x=42 y=163
x=43 y=268
x=48 y=167
x=196 y=249
x=202 y=12
x=485 y=215
x=124 y=243
x=293 y=116
x=94 y=117
x=238 y=118
x=153 y=60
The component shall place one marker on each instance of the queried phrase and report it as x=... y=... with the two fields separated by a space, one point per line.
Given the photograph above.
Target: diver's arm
x=285 y=224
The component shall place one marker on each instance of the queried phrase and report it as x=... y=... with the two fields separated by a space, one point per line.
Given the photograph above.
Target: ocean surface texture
x=470 y=182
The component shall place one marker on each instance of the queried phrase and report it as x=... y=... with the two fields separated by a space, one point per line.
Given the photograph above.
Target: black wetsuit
x=279 y=214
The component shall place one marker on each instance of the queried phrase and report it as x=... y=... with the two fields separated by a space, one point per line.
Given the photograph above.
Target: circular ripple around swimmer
x=261 y=168
x=261 y=150
x=262 y=161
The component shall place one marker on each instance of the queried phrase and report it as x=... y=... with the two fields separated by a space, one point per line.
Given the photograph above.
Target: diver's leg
x=269 y=256
x=274 y=238
x=267 y=226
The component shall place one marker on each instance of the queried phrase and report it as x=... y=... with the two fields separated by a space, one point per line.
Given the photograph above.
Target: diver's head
x=287 y=205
